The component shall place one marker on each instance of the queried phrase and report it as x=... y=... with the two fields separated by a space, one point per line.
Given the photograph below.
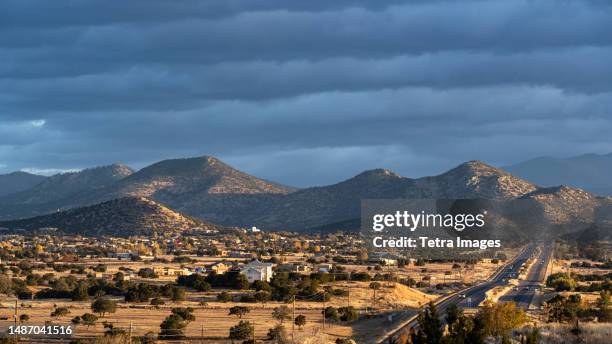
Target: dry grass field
x=213 y=319
x=393 y=302
x=591 y=333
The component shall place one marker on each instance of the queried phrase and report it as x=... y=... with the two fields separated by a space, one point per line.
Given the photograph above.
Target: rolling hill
x=18 y=181
x=60 y=187
x=119 y=217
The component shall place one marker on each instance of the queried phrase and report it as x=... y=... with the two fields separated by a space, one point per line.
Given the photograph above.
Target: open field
x=592 y=333
x=214 y=315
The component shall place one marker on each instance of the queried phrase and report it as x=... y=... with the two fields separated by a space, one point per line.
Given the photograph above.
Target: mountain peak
x=479 y=168
x=187 y=166
x=475 y=179
x=378 y=172
x=198 y=176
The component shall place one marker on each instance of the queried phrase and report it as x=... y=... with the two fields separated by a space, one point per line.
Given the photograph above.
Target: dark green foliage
x=59 y=312
x=242 y=331
x=141 y=292
x=429 y=326
x=89 y=319
x=331 y=313
x=147 y=273
x=195 y=281
x=173 y=326
x=300 y=321
x=561 y=308
x=348 y=314
x=561 y=282
x=103 y=306
x=239 y=311
x=224 y=297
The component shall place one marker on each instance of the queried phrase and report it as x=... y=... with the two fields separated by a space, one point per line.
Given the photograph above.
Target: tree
x=242 y=331
x=500 y=318
x=224 y=297
x=118 y=334
x=177 y=294
x=24 y=317
x=429 y=326
x=156 y=301
x=184 y=312
x=195 y=281
x=452 y=315
x=348 y=314
x=281 y=313
x=89 y=319
x=262 y=286
x=375 y=286
x=331 y=313
x=173 y=326
x=80 y=293
x=239 y=311
x=603 y=304
x=60 y=312
x=460 y=327
x=561 y=282
x=476 y=332
x=300 y=321
x=103 y=306
x=262 y=296
x=147 y=273
x=278 y=335
x=241 y=282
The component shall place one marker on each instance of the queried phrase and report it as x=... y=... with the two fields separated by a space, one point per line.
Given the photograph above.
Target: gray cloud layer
x=303 y=92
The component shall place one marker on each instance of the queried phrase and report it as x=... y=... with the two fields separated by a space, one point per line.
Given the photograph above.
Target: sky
x=303 y=92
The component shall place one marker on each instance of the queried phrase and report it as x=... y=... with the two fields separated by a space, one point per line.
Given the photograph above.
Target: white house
x=257 y=271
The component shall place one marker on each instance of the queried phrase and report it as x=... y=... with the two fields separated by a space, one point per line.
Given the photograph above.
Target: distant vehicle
x=462 y=296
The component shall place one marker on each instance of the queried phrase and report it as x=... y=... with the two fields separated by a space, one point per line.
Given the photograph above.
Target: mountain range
x=590 y=172
x=207 y=189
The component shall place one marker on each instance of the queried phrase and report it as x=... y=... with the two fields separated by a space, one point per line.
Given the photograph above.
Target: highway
x=525 y=292
x=471 y=297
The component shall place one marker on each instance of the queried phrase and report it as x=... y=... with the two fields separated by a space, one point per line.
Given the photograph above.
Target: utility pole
x=130 y=335
x=15 y=316
x=293 y=322
x=324 y=311
x=348 y=299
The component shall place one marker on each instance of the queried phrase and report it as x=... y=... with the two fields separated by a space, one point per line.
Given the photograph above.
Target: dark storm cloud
x=277 y=87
